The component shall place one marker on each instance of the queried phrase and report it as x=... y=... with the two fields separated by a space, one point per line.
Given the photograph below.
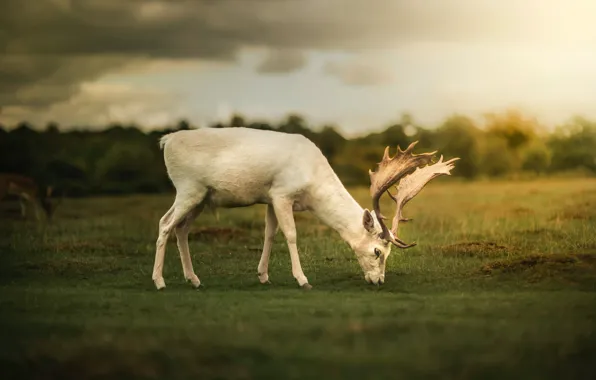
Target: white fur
x=237 y=167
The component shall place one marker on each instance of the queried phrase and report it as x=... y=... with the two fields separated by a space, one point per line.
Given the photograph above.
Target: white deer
x=238 y=167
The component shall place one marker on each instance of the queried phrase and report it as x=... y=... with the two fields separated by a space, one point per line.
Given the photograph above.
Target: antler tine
x=413 y=183
x=390 y=171
x=386 y=154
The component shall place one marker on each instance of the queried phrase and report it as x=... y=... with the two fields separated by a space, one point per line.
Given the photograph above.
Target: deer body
x=28 y=192
x=239 y=167
x=242 y=167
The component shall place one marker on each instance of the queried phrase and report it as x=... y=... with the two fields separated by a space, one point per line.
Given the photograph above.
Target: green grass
x=502 y=284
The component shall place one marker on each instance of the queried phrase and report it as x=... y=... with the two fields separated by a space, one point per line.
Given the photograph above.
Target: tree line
x=123 y=159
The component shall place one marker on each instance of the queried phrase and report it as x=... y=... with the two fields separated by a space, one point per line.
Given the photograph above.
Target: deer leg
x=285 y=218
x=37 y=210
x=270 y=230
x=23 y=205
x=184 y=203
x=182 y=230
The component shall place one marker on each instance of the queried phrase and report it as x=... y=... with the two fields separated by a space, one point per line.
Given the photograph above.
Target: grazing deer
x=240 y=167
x=29 y=192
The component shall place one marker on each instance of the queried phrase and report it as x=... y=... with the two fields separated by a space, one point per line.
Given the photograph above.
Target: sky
x=355 y=64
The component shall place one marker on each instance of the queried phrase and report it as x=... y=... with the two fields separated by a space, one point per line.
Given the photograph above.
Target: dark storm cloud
x=53 y=46
x=87 y=27
x=37 y=81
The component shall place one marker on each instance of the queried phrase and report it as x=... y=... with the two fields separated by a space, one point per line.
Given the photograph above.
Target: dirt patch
x=474 y=249
x=543 y=264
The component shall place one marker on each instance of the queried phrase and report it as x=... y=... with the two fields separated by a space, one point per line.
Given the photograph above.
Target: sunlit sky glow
x=341 y=62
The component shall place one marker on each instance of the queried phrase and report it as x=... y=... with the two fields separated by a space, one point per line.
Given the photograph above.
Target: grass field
x=501 y=285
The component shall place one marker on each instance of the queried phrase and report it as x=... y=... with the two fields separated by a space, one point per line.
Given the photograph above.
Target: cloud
x=51 y=47
x=356 y=73
x=282 y=61
x=97 y=105
x=28 y=80
x=216 y=29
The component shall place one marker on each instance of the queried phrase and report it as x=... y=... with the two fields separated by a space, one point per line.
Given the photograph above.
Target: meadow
x=502 y=284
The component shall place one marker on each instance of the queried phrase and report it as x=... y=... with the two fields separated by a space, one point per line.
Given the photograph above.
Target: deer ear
x=368 y=221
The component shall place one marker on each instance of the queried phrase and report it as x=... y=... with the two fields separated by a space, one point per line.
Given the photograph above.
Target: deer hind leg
x=184 y=203
x=271 y=226
x=285 y=218
x=25 y=200
x=23 y=205
x=37 y=210
x=182 y=230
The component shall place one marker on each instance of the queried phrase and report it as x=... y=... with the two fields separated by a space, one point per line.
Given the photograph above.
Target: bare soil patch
x=568 y=267
x=474 y=249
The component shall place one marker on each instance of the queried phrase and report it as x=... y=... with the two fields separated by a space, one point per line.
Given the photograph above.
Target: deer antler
x=390 y=171
x=411 y=185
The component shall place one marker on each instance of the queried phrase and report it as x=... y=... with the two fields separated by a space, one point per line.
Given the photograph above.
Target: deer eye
x=377 y=252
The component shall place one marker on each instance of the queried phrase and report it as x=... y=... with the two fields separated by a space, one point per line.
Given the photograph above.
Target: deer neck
x=333 y=205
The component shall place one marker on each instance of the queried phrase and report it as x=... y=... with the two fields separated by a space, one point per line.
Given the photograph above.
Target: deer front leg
x=285 y=218
x=270 y=230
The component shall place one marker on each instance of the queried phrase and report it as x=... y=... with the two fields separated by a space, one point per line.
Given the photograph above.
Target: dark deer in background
x=30 y=193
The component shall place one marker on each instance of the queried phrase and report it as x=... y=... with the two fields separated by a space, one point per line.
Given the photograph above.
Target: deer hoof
x=306 y=286
x=194 y=280
x=264 y=278
x=159 y=283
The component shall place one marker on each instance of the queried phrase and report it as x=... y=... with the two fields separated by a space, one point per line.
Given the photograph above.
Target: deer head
x=412 y=172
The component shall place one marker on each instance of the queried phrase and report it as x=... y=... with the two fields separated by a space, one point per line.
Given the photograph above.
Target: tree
x=237 y=121
x=294 y=124
x=512 y=126
x=536 y=157
x=183 y=125
x=458 y=136
x=496 y=159
x=52 y=128
x=574 y=145
x=522 y=136
x=330 y=142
